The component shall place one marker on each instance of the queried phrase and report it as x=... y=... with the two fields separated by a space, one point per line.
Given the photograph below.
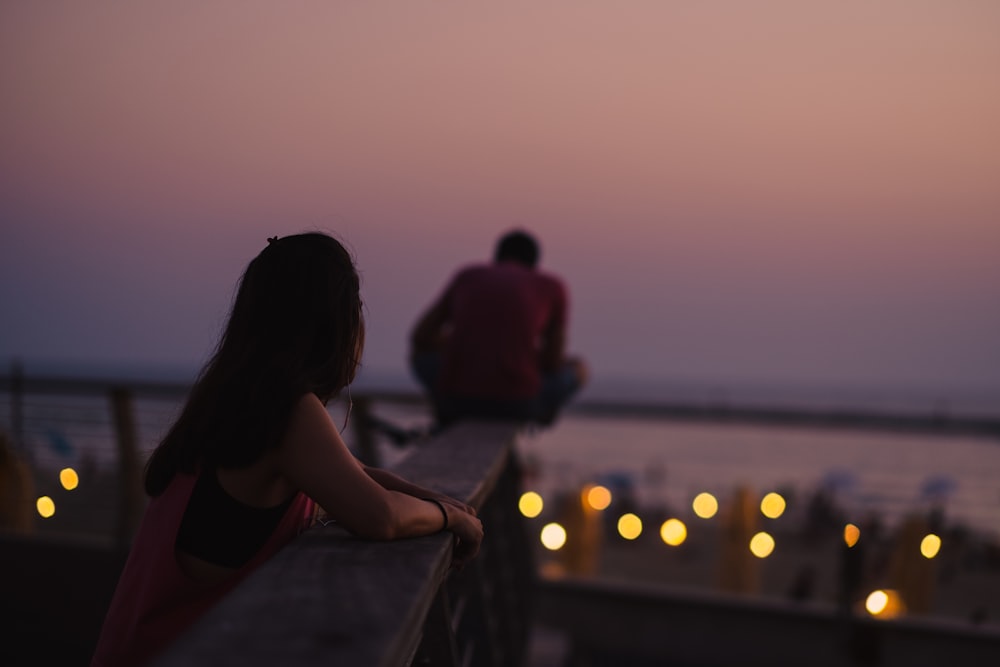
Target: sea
x=662 y=463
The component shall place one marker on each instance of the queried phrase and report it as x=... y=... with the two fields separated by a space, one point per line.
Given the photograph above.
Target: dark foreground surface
x=53 y=596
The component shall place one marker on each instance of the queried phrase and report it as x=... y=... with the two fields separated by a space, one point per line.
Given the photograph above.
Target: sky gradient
x=775 y=192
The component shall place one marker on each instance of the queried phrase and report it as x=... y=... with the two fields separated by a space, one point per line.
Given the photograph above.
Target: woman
x=254 y=450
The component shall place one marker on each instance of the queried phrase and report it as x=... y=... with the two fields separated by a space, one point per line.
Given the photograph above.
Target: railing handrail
x=58 y=385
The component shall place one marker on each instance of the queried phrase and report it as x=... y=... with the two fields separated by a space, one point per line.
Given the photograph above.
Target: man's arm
x=553 y=343
x=553 y=347
x=430 y=331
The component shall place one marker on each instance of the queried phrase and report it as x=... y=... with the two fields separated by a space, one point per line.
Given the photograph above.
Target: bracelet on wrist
x=444 y=512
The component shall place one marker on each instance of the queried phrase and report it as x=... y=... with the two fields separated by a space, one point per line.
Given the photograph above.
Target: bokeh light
x=69 y=479
x=45 y=507
x=930 y=545
x=705 y=505
x=884 y=604
x=761 y=545
x=772 y=505
x=598 y=497
x=629 y=526
x=553 y=536
x=673 y=532
x=876 y=602
x=851 y=534
x=530 y=504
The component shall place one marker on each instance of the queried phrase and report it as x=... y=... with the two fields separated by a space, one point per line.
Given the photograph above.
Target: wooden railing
x=331 y=599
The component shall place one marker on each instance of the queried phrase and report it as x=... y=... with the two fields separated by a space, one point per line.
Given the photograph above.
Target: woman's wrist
x=444 y=511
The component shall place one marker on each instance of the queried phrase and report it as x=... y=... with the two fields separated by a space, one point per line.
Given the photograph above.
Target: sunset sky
x=771 y=192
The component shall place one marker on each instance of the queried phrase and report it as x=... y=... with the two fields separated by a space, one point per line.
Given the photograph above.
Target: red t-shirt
x=155 y=601
x=498 y=314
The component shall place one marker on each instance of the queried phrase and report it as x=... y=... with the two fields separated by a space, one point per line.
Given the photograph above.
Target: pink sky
x=779 y=191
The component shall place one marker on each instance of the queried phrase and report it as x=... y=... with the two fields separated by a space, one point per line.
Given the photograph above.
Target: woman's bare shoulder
x=310 y=402
x=308 y=416
x=310 y=429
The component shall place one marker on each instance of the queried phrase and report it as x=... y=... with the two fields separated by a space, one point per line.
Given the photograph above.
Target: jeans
x=557 y=388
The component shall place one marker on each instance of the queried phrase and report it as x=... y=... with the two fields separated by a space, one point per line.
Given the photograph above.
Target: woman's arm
x=315 y=460
x=394 y=482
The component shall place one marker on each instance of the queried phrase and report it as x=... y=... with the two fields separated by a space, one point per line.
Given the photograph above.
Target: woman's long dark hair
x=296 y=327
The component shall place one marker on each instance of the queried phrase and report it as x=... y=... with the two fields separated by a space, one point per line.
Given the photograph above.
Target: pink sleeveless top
x=154 y=600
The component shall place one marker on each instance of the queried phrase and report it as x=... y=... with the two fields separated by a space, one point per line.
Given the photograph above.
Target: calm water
x=669 y=463
x=870 y=471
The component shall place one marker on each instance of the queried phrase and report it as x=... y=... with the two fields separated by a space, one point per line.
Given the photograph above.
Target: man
x=493 y=345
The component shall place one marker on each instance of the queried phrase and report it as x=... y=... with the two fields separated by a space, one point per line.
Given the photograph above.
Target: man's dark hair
x=519 y=246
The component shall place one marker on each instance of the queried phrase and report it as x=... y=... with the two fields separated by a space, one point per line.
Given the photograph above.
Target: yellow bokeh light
x=530 y=504
x=598 y=497
x=673 y=532
x=876 y=602
x=705 y=505
x=761 y=545
x=851 y=534
x=884 y=604
x=772 y=506
x=930 y=545
x=553 y=536
x=69 y=479
x=629 y=526
x=45 y=507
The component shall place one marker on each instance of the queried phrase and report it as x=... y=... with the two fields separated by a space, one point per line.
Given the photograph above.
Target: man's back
x=493 y=344
x=500 y=314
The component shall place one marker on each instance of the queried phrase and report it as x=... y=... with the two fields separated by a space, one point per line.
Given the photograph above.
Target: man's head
x=518 y=246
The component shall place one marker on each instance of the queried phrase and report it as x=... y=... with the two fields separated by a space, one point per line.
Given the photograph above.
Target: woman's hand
x=468 y=531
x=391 y=481
x=456 y=503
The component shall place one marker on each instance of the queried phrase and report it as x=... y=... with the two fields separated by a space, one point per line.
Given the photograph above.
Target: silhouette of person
x=254 y=450
x=493 y=345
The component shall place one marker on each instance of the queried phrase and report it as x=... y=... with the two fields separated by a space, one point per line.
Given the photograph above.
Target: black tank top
x=220 y=529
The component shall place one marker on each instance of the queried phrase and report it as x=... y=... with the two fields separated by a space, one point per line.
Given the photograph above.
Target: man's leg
x=558 y=387
x=426 y=367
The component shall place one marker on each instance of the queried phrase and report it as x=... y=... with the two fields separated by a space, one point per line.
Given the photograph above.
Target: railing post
x=488 y=604
x=129 y=469
x=17 y=409
x=517 y=567
x=438 y=647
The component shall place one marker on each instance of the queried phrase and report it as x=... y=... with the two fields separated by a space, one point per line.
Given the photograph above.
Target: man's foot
x=397 y=435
